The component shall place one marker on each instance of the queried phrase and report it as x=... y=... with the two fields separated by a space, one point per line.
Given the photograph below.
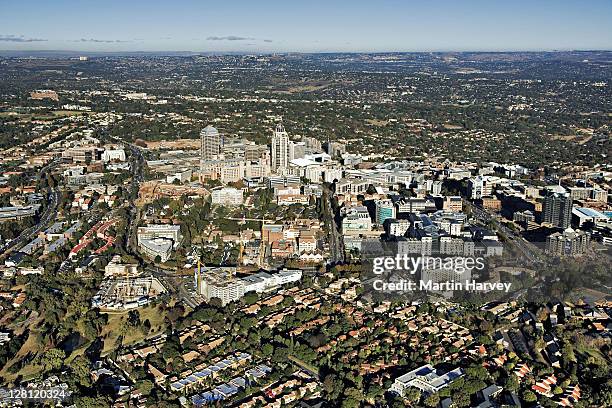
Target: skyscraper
x=210 y=140
x=384 y=210
x=280 y=148
x=297 y=150
x=557 y=210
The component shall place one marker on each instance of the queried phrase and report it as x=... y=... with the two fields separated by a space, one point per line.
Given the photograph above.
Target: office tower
x=478 y=187
x=384 y=210
x=557 y=210
x=210 y=140
x=256 y=152
x=335 y=149
x=312 y=145
x=280 y=148
x=297 y=150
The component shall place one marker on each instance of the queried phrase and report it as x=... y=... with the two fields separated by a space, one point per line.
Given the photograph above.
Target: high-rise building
x=335 y=149
x=568 y=243
x=313 y=145
x=297 y=150
x=557 y=210
x=256 y=152
x=210 y=143
x=478 y=187
x=384 y=210
x=280 y=148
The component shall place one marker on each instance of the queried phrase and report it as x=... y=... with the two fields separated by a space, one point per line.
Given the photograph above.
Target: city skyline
x=273 y=26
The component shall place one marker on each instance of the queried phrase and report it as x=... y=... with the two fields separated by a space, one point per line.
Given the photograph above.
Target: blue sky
x=305 y=26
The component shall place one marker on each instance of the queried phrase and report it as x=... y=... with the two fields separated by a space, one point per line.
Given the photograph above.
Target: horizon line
x=552 y=50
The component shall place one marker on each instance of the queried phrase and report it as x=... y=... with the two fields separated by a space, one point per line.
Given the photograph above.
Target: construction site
x=127 y=293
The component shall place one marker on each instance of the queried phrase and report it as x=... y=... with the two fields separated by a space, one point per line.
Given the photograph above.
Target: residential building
x=568 y=243
x=557 y=210
x=280 y=149
x=227 y=196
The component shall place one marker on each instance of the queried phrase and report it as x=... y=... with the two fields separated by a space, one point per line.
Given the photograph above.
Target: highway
x=137 y=167
x=336 y=249
x=168 y=277
x=50 y=213
x=530 y=252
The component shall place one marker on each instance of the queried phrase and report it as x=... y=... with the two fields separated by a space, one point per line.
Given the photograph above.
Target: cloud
x=235 y=38
x=19 y=38
x=96 y=40
x=229 y=38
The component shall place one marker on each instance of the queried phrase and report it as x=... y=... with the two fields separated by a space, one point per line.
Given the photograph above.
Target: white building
x=152 y=231
x=221 y=283
x=286 y=276
x=384 y=210
x=227 y=196
x=356 y=221
x=297 y=150
x=307 y=244
x=210 y=143
x=154 y=247
x=113 y=155
x=480 y=186
x=180 y=176
x=425 y=378
x=396 y=228
x=441 y=271
x=158 y=240
x=280 y=149
x=116 y=267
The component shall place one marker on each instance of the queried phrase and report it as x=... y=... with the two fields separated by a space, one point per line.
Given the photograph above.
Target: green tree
x=413 y=395
x=81 y=371
x=432 y=400
x=145 y=387
x=529 y=396
x=53 y=359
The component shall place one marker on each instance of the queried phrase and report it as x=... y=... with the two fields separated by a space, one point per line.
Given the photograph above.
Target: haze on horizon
x=313 y=26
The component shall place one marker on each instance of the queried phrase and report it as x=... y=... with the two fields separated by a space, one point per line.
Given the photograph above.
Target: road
x=168 y=277
x=174 y=285
x=336 y=248
x=50 y=213
x=530 y=252
x=137 y=166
